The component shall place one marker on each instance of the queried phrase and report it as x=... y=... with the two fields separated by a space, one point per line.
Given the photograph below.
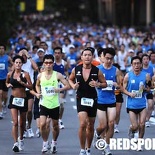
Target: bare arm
x=102 y=82
x=38 y=89
x=63 y=81
x=8 y=84
x=71 y=80
x=125 y=82
x=119 y=80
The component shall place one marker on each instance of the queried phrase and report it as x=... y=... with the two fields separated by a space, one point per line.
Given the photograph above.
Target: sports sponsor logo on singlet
x=2 y=66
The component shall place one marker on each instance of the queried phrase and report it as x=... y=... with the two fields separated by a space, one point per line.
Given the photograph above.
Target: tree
x=8 y=18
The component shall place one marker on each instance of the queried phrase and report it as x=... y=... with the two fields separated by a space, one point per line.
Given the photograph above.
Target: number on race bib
x=18 y=102
x=138 y=94
x=87 y=102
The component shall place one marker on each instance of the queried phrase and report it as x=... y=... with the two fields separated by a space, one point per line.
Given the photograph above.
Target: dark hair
x=152 y=53
x=145 y=55
x=138 y=52
x=150 y=50
x=110 y=51
x=23 y=48
x=57 y=48
x=100 y=51
x=3 y=46
x=48 y=56
x=116 y=65
x=35 y=46
x=18 y=57
x=136 y=57
x=91 y=49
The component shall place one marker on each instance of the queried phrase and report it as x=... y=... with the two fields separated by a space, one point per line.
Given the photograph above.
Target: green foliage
x=8 y=18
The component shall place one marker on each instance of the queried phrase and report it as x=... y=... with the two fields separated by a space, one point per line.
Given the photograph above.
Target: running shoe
x=4 y=109
x=30 y=133
x=45 y=147
x=15 y=147
x=61 y=125
x=107 y=151
x=38 y=133
x=88 y=152
x=131 y=134
x=21 y=144
x=116 y=130
x=82 y=152
x=147 y=124
x=25 y=135
x=53 y=147
x=1 y=115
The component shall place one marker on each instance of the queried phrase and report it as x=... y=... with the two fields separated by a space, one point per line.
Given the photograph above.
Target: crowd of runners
x=44 y=62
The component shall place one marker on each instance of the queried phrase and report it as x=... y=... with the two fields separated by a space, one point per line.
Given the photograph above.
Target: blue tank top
x=4 y=63
x=139 y=101
x=151 y=64
x=149 y=70
x=107 y=95
x=59 y=68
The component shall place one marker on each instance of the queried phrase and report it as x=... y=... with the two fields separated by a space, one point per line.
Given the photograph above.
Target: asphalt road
x=68 y=142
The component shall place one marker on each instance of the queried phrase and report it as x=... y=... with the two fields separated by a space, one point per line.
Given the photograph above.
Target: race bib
x=138 y=94
x=72 y=61
x=87 y=102
x=18 y=102
x=2 y=66
x=109 y=85
x=48 y=91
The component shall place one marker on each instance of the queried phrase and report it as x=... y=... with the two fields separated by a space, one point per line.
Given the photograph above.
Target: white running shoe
x=25 y=135
x=107 y=151
x=88 y=152
x=1 y=115
x=116 y=130
x=4 y=109
x=21 y=144
x=131 y=134
x=45 y=147
x=38 y=133
x=82 y=152
x=147 y=124
x=61 y=125
x=53 y=147
x=30 y=133
x=15 y=147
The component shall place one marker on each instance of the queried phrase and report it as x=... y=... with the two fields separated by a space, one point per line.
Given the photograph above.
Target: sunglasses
x=46 y=63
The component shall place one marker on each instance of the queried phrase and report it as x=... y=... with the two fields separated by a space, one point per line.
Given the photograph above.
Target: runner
x=106 y=108
x=60 y=66
x=85 y=78
x=148 y=69
x=119 y=101
x=47 y=86
x=30 y=66
x=134 y=86
x=5 y=61
x=18 y=80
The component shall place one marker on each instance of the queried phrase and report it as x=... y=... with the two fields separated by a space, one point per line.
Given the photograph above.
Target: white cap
x=131 y=50
x=40 y=50
x=71 y=46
